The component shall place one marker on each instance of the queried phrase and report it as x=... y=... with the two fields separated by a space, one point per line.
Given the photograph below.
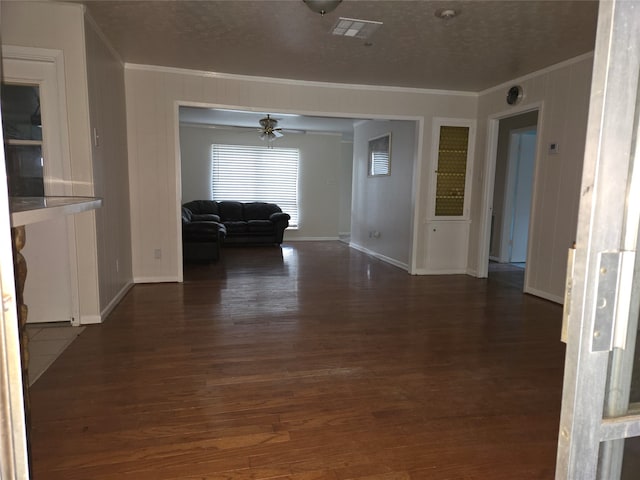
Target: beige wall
x=383 y=204
x=61 y=27
x=105 y=73
x=319 y=181
x=563 y=94
x=94 y=82
x=152 y=98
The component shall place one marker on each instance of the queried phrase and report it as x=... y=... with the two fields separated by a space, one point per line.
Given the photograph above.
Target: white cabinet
x=447 y=247
x=448 y=223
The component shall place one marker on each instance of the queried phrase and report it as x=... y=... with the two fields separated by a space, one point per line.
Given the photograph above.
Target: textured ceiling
x=488 y=43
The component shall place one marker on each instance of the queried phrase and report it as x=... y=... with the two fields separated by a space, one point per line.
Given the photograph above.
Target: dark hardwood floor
x=314 y=362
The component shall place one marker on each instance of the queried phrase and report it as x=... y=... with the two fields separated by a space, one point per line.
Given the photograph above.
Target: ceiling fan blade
x=277 y=133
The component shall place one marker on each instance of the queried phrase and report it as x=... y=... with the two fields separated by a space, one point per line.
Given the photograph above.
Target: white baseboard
x=446 y=271
x=545 y=295
x=155 y=279
x=379 y=256
x=311 y=239
x=116 y=300
x=472 y=272
x=90 y=319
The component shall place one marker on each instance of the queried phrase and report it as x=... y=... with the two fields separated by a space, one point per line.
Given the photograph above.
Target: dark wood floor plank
x=310 y=362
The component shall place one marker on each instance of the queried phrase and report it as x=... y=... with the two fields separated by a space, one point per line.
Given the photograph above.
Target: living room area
x=307 y=171
x=391 y=354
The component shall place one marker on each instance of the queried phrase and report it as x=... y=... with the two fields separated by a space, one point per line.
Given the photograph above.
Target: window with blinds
x=256 y=174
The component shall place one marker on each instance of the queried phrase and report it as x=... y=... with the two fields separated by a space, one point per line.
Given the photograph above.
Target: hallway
x=313 y=361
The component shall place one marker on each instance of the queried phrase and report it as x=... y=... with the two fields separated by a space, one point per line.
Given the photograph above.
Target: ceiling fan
x=269 y=130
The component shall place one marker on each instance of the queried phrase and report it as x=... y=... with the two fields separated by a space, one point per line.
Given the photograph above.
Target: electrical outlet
x=157 y=254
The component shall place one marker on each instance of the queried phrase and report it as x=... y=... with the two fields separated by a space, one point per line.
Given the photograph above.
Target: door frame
x=489 y=175
x=57 y=180
x=603 y=294
x=14 y=461
x=416 y=187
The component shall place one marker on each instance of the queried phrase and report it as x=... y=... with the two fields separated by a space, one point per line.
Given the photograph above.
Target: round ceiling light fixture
x=446 y=13
x=322 y=6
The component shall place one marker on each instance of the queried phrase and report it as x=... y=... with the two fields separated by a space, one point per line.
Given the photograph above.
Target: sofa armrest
x=279 y=216
x=205 y=217
x=186 y=215
x=203 y=231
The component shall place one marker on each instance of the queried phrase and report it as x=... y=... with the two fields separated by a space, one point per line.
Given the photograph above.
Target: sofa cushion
x=230 y=211
x=202 y=207
x=259 y=210
x=260 y=226
x=205 y=217
x=236 y=227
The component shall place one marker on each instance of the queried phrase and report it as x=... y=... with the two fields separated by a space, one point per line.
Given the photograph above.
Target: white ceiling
x=487 y=43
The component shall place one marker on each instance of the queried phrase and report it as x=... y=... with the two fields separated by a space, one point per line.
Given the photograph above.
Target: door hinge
x=613 y=300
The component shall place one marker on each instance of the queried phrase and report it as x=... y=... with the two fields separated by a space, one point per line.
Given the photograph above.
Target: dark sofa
x=202 y=236
x=245 y=223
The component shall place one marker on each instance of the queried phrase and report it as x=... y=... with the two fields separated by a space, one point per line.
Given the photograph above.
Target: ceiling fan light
x=322 y=6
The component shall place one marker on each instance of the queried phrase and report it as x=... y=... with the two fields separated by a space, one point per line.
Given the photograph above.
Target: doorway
x=512 y=194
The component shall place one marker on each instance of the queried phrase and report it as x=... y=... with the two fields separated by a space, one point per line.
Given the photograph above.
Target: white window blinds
x=256 y=174
x=379 y=163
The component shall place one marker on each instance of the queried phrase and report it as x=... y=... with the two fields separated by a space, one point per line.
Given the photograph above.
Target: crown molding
x=292 y=82
x=537 y=73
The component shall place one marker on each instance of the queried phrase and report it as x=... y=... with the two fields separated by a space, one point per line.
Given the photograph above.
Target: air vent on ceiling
x=352 y=27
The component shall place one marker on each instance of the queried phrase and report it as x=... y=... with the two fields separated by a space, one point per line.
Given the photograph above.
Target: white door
x=600 y=413
x=51 y=286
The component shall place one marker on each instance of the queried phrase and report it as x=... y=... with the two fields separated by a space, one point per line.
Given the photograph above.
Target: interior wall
x=564 y=94
x=61 y=27
x=153 y=95
x=528 y=119
x=319 y=178
x=105 y=74
x=381 y=211
x=346 y=187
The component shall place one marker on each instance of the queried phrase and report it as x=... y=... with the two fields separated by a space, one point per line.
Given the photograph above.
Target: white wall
x=564 y=97
x=94 y=82
x=152 y=98
x=346 y=188
x=61 y=27
x=319 y=179
x=383 y=204
x=105 y=75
